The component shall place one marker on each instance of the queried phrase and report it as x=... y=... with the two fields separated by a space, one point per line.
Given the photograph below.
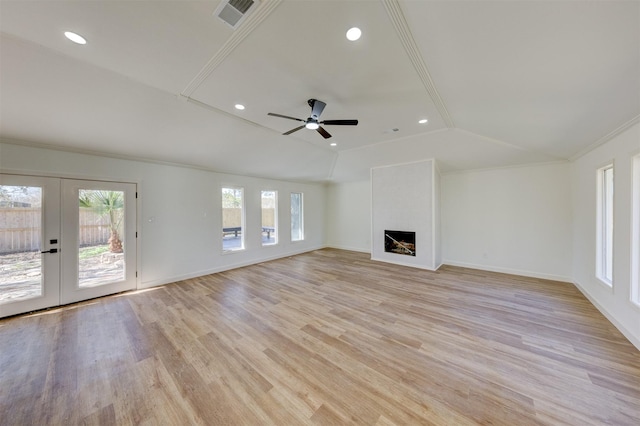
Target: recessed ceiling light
x=354 y=33
x=423 y=121
x=239 y=107
x=333 y=144
x=76 y=38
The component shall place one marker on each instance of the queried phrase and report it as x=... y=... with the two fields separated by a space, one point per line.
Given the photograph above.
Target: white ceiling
x=502 y=83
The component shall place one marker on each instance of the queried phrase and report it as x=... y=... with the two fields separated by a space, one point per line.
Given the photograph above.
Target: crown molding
x=606 y=138
x=401 y=27
x=133 y=158
x=261 y=12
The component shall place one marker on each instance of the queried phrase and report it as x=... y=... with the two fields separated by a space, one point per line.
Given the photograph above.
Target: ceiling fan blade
x=316 y=108
x=340 y=122
x=323 y=132
x=294 y=130
x=284 y=116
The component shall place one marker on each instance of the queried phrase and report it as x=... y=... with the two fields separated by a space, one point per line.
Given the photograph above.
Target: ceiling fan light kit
x=312 y=122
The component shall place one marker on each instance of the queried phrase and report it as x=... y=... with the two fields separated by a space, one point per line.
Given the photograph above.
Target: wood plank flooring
x=327 y=337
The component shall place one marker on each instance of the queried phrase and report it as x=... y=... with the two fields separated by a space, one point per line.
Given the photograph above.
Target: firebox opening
x=400 y=242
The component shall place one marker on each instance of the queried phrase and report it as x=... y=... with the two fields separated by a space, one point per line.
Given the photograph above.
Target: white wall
x=349 y=216
x=513 y=220
x=614 y=303
x=403 y=199
x=437 y=220
x=179 y=210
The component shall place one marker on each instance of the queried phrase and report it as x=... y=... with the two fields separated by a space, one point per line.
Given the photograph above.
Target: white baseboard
x=511 y=271
x=409 y=265
x=348 y=248
x=635 y=341
x=226 y=267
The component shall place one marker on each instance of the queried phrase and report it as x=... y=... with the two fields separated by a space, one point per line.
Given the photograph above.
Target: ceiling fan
x=312 y=122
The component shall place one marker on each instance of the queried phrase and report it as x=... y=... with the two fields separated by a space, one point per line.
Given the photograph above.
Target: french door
x=64 y=240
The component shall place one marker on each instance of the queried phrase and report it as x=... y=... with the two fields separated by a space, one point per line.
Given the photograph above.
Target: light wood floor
x=327 y=337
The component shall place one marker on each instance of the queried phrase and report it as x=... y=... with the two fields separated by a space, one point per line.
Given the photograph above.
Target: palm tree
x=110 y=204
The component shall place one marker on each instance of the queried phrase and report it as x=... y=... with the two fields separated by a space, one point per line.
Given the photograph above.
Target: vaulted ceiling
x=501 y=83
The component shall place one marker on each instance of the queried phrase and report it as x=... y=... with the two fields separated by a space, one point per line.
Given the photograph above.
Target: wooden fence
x=232 y=217
x=20 y=229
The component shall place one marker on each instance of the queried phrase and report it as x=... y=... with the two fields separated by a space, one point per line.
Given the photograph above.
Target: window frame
x=635 y=231
x=605 y=211
x=242 y=218
x=275 y=217
x=300 y=215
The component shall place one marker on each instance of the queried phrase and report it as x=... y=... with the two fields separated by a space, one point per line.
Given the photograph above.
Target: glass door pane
x=20 y=235
x=99 y=230
x=29 y=233
x=100 y=237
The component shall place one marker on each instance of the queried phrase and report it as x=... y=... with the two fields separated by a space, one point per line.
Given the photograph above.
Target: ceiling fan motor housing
x=315 y=112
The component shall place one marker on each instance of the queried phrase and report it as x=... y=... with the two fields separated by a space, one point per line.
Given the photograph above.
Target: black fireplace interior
x=400 y=242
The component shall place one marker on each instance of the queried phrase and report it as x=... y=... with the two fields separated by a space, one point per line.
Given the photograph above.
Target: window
x=297 y=223
x=269 y=218
x=635 y=232
x=604 y=236
x=232 y=219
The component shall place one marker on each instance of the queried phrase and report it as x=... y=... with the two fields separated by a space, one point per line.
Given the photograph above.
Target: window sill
x=605 y=283
x=233 y=251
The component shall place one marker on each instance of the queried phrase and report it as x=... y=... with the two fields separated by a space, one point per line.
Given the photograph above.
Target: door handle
x=50 y=251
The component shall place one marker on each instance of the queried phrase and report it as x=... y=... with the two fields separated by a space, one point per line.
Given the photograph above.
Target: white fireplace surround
x=407 y=197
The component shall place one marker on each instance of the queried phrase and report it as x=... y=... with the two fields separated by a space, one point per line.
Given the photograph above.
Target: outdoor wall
x=349 y=216
x=614 y=302
x=514 y=220
x=179 y=210
x=403 y=199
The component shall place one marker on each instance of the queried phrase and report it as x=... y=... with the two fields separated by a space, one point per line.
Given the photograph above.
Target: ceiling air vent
x=232 y=12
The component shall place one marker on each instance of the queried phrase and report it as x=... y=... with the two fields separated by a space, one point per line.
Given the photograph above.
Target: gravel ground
x=20 y=273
